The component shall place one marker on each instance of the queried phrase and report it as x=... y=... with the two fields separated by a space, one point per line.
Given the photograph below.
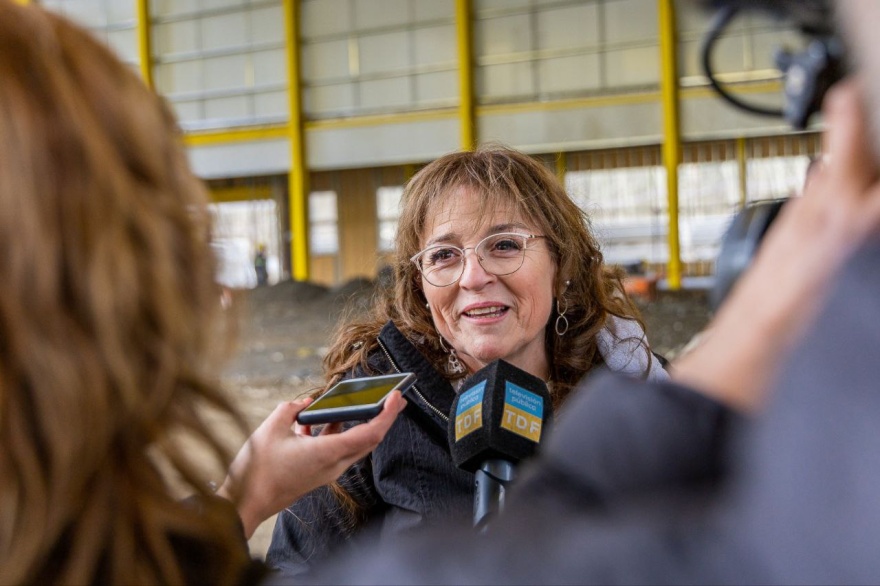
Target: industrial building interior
x=306 y=117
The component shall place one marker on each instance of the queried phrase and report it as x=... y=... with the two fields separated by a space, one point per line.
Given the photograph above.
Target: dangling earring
x=561 y=320
x=453 y=365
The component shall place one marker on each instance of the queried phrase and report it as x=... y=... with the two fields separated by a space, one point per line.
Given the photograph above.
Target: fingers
x=331 y=428
x=374 y=430
x=846 y=139
x=395 y=403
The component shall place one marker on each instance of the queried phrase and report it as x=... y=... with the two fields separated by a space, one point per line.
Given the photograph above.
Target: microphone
x=496 y=421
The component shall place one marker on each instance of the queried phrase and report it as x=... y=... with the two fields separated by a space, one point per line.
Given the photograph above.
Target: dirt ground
x=285 y=328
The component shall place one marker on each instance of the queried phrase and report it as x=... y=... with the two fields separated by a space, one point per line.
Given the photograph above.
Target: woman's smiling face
x=484 y=316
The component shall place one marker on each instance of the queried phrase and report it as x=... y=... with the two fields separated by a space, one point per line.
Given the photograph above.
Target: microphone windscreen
x=502 y=412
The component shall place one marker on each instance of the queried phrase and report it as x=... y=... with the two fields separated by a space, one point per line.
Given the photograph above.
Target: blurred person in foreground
x=759 y=462
x=109 y=323
x=493 y=260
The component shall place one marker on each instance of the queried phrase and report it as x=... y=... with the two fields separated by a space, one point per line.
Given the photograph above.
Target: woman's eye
x=507 y=245
x=441 y=256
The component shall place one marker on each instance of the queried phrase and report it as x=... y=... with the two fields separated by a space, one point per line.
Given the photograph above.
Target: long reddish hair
x=108 y=316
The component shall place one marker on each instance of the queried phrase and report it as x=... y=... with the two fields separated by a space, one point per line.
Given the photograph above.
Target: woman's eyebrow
x=506 y=227
x=453 y=236
x=448 y=236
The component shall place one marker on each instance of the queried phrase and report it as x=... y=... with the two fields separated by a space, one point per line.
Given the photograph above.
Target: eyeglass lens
x=499 y=254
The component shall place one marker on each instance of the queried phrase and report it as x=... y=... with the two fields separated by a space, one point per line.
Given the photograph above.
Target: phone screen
x=355 y=398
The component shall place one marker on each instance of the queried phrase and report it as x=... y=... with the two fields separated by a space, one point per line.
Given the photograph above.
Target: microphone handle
x=490 y=483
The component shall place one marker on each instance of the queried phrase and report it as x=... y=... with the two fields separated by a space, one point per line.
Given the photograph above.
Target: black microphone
x=497 y=420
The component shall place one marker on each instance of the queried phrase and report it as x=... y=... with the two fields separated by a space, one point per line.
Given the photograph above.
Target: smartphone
x=355 y=398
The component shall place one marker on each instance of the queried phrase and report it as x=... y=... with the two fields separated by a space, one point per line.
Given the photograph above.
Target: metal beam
x=464 y=38
x=145 y=50
x=671 y=133
x=298 y=177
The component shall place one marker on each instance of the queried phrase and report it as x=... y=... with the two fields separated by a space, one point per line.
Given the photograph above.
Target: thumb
x=284 y=415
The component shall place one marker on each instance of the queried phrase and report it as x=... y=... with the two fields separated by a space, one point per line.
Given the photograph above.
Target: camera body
x=808 y=75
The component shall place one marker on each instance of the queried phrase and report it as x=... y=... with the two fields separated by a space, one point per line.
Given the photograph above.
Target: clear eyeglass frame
x=483 y=257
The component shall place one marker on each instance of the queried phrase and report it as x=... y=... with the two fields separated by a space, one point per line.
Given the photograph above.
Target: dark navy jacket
x=407 y=480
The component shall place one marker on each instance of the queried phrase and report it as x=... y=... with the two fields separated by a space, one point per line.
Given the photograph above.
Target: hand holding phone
x=355 y=398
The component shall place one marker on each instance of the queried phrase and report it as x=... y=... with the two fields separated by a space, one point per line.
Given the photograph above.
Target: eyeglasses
x=499 y=254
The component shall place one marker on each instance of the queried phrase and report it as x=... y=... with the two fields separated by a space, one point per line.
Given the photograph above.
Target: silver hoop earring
x=453 y=365
x=561 y=325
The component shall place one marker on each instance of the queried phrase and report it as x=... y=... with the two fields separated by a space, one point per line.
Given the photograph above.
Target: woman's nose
x=474 y=276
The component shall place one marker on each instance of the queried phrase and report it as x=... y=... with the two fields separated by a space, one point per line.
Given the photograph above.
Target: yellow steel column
x=560 y=167
x=671 y=133
x=741 y=162
x=466 y=116
x=145 y=51
x=298 y=178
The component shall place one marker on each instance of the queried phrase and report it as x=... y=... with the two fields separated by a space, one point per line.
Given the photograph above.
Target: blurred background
x=306 y=117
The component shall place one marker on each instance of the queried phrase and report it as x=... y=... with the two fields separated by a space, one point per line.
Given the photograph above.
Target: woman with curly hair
x=493 y=260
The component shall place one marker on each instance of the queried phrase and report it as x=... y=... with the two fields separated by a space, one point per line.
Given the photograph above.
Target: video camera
x=807 y=74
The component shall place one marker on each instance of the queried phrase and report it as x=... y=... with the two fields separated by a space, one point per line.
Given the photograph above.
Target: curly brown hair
x=509 y=178
x=109 y=315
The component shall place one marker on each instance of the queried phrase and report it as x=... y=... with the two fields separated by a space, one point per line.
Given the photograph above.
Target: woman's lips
x=488 y=311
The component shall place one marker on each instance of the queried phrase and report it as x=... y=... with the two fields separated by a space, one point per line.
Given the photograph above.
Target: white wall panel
x=329 y=99
x=267 y=24
x=503 y=35
x=437 y=88
x=370 y=14
x=270 y=67
x=435 y=45
x=689 y=19
x=183 y=76
x=327 y=60
x=433 y=9
x=120 y=10
x=569 y=74
x=228 y=72
x=631 y=20
x=271 y=105
x=232 y=107
x=568 y=27
x=385 y=93
x=172 y=7
x=711 y=117
x=628 y=67
x=339 y=148
x=225 y=30
x=573 y=129
x=241 y=159
x=727 y=56
x=483 y=5
x=213 y=4
x=497 y=82
x=384 y=53
x=176 y=37
x=324 y=17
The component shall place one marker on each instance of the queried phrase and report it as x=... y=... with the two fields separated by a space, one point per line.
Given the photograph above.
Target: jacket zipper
x=415 y=389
